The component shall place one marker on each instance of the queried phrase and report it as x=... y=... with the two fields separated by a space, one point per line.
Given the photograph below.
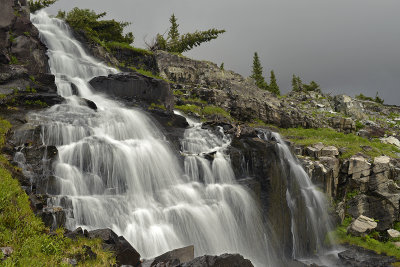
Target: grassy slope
x=351 y=142
x=27 y=235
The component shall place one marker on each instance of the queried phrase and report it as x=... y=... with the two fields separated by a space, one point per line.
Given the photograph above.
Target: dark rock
x=53 y=217
x=175 y=257
x=37 y=203
x=361 y=257
x=86 y=254
x=89 y=103
x=74 y=89
x=135 y=86
x=224 y=260
x=78 y=232
x=125 y=253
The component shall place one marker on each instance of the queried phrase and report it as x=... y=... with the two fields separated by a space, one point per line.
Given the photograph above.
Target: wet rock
x=53 y=217
x=174 y=257
x=78 y=232
x=89 y=103
x=224 y=260
x=362 y=226
x=36 y=201
x=393 y=233
x=135 y=86
x=124 y=252
x=361 y=257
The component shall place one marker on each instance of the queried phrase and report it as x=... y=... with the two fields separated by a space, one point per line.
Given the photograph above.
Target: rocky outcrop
x=224 y=260
x=360 y=257
x=135 y=87
x=124 y=252
x=174 y=257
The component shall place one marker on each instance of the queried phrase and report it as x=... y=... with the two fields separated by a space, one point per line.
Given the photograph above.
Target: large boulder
x=124 y=252
x=135 y=87
x=362 y=226
x=224 y=260
x=361 y=257
x=172 y=258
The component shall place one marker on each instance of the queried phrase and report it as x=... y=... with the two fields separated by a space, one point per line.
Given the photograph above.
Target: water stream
x=116 y=169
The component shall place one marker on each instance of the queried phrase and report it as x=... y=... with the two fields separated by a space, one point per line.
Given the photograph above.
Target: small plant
x=178 y=92
x=352 y=194
x=359 y=125
x=13 y=60
x=221 y=67
x=156 y=106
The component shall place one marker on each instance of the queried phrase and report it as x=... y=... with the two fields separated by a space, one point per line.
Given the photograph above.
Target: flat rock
x=393 y=233
x=391 y=140
x=361 y=226
x=381 y=164
x=329 y=151
x=359 y=167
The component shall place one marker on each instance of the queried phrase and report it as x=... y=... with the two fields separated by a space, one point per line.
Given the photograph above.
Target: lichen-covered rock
x=362 y=226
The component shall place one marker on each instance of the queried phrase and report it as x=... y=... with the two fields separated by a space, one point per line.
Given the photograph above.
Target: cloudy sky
x=347 y=46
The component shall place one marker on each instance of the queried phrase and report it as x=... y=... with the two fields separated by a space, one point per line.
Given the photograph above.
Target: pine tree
x=273 y=85
x=222 y=66
x=257 y=71
x=313 y=86
x=297 y=84
x=173 y=33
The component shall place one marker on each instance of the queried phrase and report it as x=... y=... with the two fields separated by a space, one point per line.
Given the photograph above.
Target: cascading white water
x=116 y=170
x=310 y=221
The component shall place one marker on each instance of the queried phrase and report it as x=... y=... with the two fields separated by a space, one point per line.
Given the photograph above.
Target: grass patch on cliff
x=351 y=142
x=340 y=236
x=149 y=74
x=204 y=111
x=26 y=234
x=118 y=45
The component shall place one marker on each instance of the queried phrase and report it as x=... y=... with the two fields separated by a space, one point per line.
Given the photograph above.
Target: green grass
x=119 y=45
x=156 y=106
x=330 y=137
x=13 y=60
x=26 y=233
x=204 y=111
x=148 y=73
x=36 y=103
x=178 y=92
x=340 y=236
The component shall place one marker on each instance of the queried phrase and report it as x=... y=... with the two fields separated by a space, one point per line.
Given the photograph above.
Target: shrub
x=39 y=4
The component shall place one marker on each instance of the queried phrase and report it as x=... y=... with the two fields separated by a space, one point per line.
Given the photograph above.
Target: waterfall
x=116 y=170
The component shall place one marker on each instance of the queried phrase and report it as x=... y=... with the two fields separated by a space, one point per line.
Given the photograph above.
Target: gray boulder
x=362 y=226
x=224 y=260
x=135 y=87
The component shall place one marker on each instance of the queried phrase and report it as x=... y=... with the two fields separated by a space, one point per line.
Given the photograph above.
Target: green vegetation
x=118 y=45
x=36 y=103
x=35 y=5
x=98 y=31
x=156 y=106
x=377 y=99
x=204 y=111
x=273 y=86
x=257 y=72
x=13 y=60
x=351 y=194
x=149 y=73
x=299 y=86
x=178 y=92
x=179 y=43
x=359 y=125
x=351 y=142
x=29 y=89
x=221 y=67
x=340 y=236
x=26 y=234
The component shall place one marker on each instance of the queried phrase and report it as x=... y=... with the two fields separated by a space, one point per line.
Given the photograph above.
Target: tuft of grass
x=330 y=137
x=156 y=106
x=340 y=236
x=204 y=111
x=13 y=60
x=26 y=233
x=118 y=45
x=178 y=92
x=149 y=73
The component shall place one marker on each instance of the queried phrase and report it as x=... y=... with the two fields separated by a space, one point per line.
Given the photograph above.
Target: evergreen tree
x=173 y=33
x=222 y=66
x=35 y=5
x=313 y=86
x=179 y=43
x=257 y=71
x=297 y=84
x=273 y=85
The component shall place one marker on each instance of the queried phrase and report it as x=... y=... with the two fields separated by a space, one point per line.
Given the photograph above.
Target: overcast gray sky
x=347 y=46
